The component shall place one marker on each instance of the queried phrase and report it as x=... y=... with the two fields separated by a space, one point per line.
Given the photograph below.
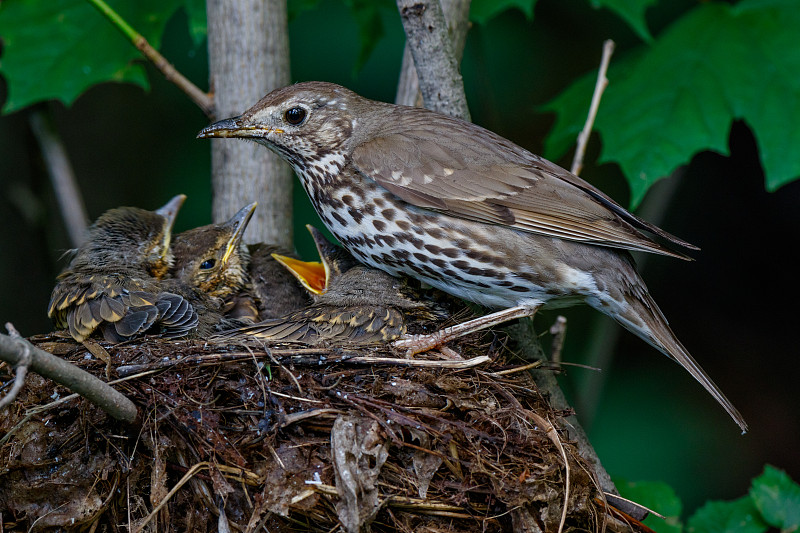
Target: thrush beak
x=311 y=275
x=170 y=212
x=235 y=127
x=237 y=224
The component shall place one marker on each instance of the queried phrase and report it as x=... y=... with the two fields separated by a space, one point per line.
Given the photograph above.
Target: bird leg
x=414 y=344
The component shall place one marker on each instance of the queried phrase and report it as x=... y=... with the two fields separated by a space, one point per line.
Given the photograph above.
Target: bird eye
x=295 y=115
x=205 y=265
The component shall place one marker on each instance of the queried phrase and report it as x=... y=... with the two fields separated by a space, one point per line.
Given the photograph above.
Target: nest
x=283 y=438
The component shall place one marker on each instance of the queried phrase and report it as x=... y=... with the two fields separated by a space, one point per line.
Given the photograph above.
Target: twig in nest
x=457 y=364
x=185 y=479
x=600 y=86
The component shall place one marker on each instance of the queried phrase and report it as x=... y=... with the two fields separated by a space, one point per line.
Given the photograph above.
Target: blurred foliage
x=58 y=49
x=658 y=497
x=716 y=64
x=676 y=95
x=632 y=12
x=482 y=11
x=774 y=500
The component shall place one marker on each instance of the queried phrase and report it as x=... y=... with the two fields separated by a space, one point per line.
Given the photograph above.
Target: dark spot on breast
x=356 y=215
x=519 y=288
x=451 y=252
x=441 y=263
x=388 y=240
x=349 y=200
x=436 y=233
x=369 y=209
x=380 y=225
x=339 y=218
x=380 y=202
x=403 y=225
x=432 y=248
x=401 y=254
x=388 y=214
x=421 y=257
x=460 y=264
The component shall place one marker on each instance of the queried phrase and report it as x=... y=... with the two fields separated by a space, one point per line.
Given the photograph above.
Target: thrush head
x=213 y=258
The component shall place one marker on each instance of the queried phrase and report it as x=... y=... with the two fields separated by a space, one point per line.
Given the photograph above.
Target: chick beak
x=311 y=275
x=170 y=211
x=237 y=225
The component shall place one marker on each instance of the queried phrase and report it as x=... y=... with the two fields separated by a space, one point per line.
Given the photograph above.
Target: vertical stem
x=248 y=49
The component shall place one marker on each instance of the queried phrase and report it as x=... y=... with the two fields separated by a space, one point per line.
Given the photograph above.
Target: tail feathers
x=648 y=323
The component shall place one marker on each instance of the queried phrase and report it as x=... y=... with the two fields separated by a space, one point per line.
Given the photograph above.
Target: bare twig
x=61 y=176
x=600 y=86
x=439 y=78
x=65 y=373
x=21 y=366
x=198 y=96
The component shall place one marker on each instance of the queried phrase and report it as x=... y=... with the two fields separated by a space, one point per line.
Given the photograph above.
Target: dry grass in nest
x=286 y=438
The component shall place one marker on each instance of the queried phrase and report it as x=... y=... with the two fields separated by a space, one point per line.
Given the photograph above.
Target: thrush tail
x=645 y=320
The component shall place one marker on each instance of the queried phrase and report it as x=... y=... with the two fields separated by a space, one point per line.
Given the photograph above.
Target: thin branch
x=456 y=12
x=113 y=402
x=199 y=97
x=439 y=78
x=600 y=86
x=61 y=176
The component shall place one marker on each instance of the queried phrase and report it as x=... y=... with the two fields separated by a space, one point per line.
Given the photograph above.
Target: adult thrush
x=113 y=281
x=353 y=303
x=213 y=260
x=415 y=192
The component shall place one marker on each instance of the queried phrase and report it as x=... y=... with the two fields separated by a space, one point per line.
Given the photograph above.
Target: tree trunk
x=248 y=49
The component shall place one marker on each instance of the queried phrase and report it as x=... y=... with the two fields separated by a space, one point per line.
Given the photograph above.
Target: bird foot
x=415 y=344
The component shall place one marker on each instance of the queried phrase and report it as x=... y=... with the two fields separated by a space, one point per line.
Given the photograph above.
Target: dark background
x=734 y=307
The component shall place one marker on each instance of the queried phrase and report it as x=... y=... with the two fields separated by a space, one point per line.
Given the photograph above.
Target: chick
x=113 y=281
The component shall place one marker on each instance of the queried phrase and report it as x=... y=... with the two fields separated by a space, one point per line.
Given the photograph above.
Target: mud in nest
x=287 y=438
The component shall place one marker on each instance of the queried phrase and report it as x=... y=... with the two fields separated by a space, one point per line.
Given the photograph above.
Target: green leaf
x=481 y=11
x=632 y=12
x=716 y=64
x=660 y=498
x=198 y=23
x=777 y=497
x=738 y=516
x=59 y=48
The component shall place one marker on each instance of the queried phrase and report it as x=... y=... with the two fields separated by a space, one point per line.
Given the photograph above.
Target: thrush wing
x=472 y=173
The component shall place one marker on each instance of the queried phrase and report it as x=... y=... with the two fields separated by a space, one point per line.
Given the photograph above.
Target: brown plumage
x=414 y=192
x=113 y=281
x=355 y=305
